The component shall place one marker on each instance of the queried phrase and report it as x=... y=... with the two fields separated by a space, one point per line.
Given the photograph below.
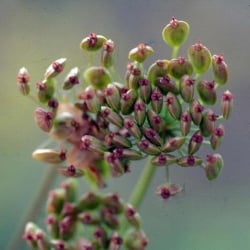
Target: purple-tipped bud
x=174 y=106
x=84 y=244
x=156 y=100
x=195 y=142
x=30 y=234
x=117 y=140
x=55 y=201
x=216 y=137
x=163 y=160
x=115 y=242
x=43 y=119
x=113 y=202
x=42 y=240
x=134 y=77
x=140 y=111
x=112 y=97
x=152 y=136
x=70 y=187
x=93 y=42
x=189 y=161
x=109 y=219
x=156 y=121
x=49 y=155
x=145 y=89
x=213 y=166
x=92 y=144
x=196 y=110
x=200 y=57
x=55 y=68
x=156 y=70
x=60 y=245
x=67 y=227
x=187 y=88
x=71 y=171
x=98 y=77
x=100 y=237
x=220 y=69
x=173 y=144
x=185 y=123
x=107 y=59
x=227 y=104
x=45 y=90
x=131 y=154
x=111 y=116
x=178 y=67
x=89 y=201
x=52 y=225
x=69 y=209
x=175 y=33
x=23 y=78
x=207 y=92
x=165 y=191
x=208 y=122
x=117 y=166
x=140 y=53
x=89 y=218
x=127 y=101
x=136 y=240
x=132 y=216
x=132 y=127
x=71 y=79
x=165 y=84
x=148 y=148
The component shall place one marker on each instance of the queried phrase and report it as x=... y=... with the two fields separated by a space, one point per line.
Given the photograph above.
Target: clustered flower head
x=103 y=124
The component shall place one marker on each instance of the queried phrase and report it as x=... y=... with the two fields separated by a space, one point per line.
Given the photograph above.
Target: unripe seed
x=179 y=67
x=93 y=42
x=220 y=69
x=140 y=53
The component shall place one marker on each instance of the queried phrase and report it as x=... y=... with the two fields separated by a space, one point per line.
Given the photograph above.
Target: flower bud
x=196 y=110
x=107 y=59
x=113 y=202
x=117 y=166
x=131 y=154
x=152 y=136
x=134 y=78
x=55 y=201
x=213 y=166
x=100 y=237
x=173 y=143
x=127 y=101
x=140 y=111
x=49 y=156
x=118 y=140
x=200 y=57
x=71 y=171
x=208 y=122
x=226 y=104
x=135 y=240
x=115 y=241
x=71 y=79
x=132 y=216
x=215 y=139
x=42 y=240
x=111 y=116
x=145 y=89
x=157 y=69
x=187 y=88
x=30 y=234
x=89 y=218
x=60 y=245
x=156 y=100
x=98 y=77
x=92 y=144
x=167 y=190
x=89 y=201
x=52 y=225
x=67 y=227
x=156 y=121
x=189 y=161
x=207 y=92
x=185 y=123
x=70 y=187
x=109 y=219
x=93 y=42
x=174 y=106
x=43 y=119
x=148 y=148
x=112 y=97
x=178 y=67
x=55 y=68
x=132 y=128
x=23 y=78
x=163 y=160
x=165 y=84
x=195 y=142
x=175 y=33
x=140 y=53
x=220 y=69
x=46 y=90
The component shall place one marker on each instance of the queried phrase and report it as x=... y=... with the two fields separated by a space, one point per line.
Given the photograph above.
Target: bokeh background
x=207 y=215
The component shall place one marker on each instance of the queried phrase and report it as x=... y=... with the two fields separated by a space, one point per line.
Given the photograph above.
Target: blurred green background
x=207 y=215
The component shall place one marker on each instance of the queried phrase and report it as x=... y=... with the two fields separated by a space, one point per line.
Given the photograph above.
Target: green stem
x=175 y=52
x=142 y=184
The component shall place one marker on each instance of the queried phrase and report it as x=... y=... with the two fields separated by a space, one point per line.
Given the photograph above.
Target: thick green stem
x=142 y=184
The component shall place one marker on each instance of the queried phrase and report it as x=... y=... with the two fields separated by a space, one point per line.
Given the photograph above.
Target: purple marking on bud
x=181 y=60
x=23 y=76
x=164 y=192
x=162 y=159
x=71 y=170
x=108 y=46
x=143 y=82
x=211 y=159
x=186 y=117
x=197 y=138
x=219 y=132
x=57 y=66
x=156 y=95
x=92 y=39
x=129 y=123
x=190 y=160
x=144 y=144
x=53 y=103
x=86 y=142
x=227 y=96
x=139 y=106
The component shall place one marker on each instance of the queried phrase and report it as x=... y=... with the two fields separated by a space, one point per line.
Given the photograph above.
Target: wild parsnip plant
x=101 y=125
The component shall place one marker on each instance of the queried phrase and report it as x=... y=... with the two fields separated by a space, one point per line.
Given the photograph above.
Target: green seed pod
x=208 y=122
x=189 y=161
x=23 y=78
x=50 y=156
x=71 y=79
x=98 y=77
x=140 y=53
x=213 y=166
x=174 y=106
x=226 y=104
x=195 y=142
x=185 y=122
x=127 y=101
x=89 y=201
x=220 y=69
x=173 y=144
x=93 y=42
x=135 y=239
x=55 y=201
x=178 y=67
x=156 y=100
x=111 y=116
x=132 y=216
x=147 y=147
x=112 y=97
x=165 y=84
x=152 y=136
x=200 y=57
x=207 y=92
x=140 y=111
x=187 y=88
x=196 y=110
x=46 y=90
x=55 y=68
x=163 y=160
x=91 y=99
x=175 y=33
x=93 y=144
x=157 y=69
x=107 y=58
x=132 y=127
x=216 y=137
x=114 y=202
x=145 y=89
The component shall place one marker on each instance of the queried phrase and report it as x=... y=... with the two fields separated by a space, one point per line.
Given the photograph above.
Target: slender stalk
x=175 y=52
